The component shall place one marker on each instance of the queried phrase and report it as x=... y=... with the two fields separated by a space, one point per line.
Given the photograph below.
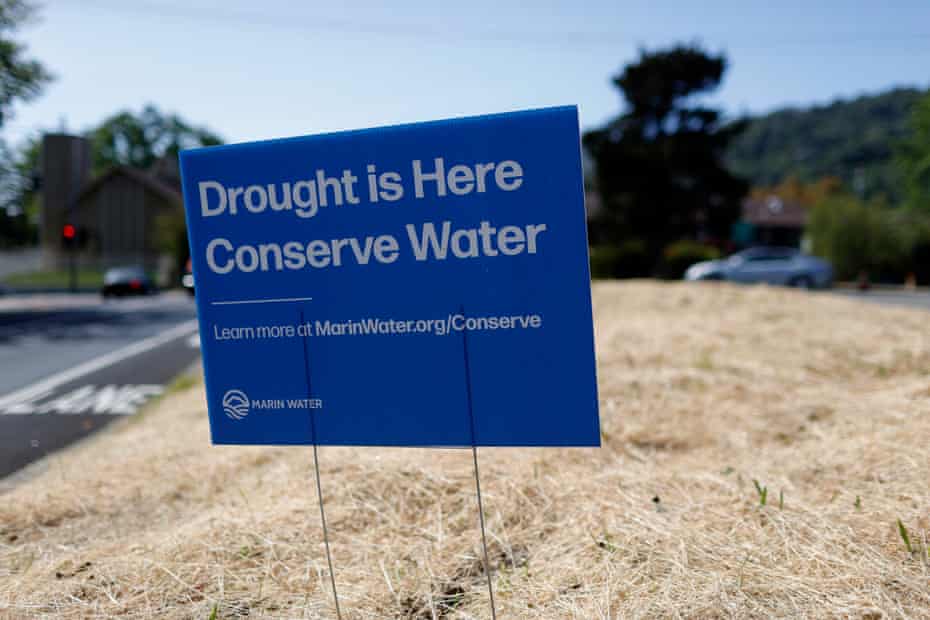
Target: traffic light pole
x=72 y=270
x=69 y=243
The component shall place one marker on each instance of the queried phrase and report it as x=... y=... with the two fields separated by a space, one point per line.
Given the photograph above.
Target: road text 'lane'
x=87 y=399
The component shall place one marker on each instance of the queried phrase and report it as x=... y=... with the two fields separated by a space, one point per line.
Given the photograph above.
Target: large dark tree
x=660 y=165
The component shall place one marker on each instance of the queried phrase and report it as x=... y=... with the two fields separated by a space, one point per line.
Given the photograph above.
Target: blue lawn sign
x=417 y=285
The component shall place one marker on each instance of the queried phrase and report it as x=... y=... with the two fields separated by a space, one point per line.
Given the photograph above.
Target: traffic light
x=68 y=235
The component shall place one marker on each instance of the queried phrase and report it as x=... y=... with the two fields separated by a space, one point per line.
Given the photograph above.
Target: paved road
x=893 y=297
x=72 y=364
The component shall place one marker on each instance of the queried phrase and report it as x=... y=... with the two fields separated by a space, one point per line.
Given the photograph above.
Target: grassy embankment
x=761 y=448
x=54 y=279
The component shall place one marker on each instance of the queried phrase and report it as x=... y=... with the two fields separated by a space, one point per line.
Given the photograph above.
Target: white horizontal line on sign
x=260 y=301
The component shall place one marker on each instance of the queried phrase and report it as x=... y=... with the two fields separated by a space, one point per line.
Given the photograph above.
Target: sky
x=275 y=68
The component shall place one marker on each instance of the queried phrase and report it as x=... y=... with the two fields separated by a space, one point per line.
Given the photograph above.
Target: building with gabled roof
x=771 y=220
x=121 y=216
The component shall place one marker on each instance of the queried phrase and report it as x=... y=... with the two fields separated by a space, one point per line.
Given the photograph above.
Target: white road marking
x=89 y=399
x=260 y=301
x=48 y=384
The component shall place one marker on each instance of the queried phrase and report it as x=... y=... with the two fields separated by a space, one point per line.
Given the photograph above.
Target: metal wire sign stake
x=316 y=470
x=474 y=454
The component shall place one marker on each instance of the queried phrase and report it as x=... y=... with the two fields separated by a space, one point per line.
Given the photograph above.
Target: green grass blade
x=905 y=537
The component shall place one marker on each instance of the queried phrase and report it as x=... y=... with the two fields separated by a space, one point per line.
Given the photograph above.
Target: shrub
x=171 y=240
x=920 y=258
x=918 y=245
x=857 y=237
x=678 y=256
x=628 y=259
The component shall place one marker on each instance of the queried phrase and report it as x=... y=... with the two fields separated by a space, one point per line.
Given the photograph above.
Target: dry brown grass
x=703 y=389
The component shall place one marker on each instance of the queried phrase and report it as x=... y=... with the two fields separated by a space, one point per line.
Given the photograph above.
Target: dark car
x=124 y=281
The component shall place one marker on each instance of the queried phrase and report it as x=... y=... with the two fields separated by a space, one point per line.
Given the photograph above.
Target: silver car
x=771 y=265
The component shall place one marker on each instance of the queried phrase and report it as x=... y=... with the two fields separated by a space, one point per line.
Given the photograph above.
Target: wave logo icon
x=236 y=404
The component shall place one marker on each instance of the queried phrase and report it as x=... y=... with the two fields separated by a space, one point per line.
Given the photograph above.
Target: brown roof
x=774 y=211
x=164 y=190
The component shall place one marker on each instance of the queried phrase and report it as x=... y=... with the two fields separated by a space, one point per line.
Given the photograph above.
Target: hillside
x=759 y=447
x=853 y=140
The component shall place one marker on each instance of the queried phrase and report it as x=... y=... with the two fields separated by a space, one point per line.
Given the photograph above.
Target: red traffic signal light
x=69 y=232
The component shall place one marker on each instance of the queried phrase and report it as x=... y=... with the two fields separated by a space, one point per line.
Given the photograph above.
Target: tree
x=122 y=139
x=140 y=140
x=21 y=79
x=857 y=236
x=18 y=211
x=869 y=237
x=914 y=157
x=659 y=165
x=853 y=140
x=807 y=194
